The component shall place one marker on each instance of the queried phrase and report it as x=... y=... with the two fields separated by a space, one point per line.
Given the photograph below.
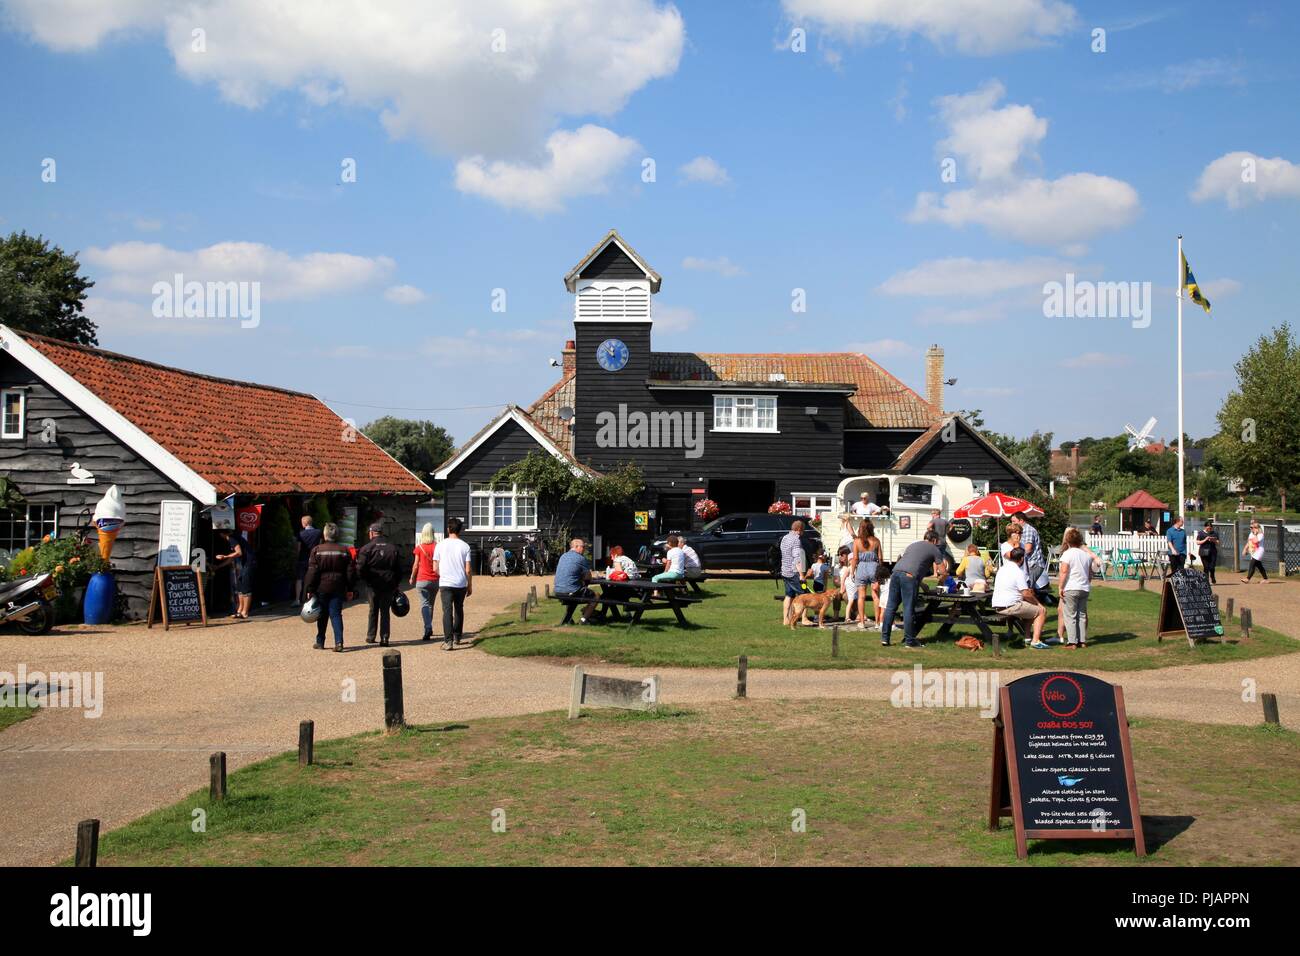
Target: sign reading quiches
x=176 y=519
x=177 y=596
x=1187 y=606
x=1062 y=762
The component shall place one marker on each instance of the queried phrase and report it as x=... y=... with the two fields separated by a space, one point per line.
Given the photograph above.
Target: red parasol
x=997 y=505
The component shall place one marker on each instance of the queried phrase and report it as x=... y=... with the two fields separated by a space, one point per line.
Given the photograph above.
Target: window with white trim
x=744 y=413
x=25 y=526
x=501 y=508
x=14 y=404
x=814 y=506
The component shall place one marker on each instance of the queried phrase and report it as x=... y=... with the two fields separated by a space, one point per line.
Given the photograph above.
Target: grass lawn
x=717 y=785
x=739 y=616
x=14 y=715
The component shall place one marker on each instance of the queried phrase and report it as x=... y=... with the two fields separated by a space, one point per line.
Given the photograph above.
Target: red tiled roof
x=545 y=413
x=1142 y=499
x=881 y=400
x=239 y=437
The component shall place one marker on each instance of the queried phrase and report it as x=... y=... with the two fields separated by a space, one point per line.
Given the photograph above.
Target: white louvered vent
x=611 y=301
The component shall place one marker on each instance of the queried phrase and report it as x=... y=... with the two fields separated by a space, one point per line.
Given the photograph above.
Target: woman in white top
x=1075 y=584
x=1255 y=550
x=1013 y=541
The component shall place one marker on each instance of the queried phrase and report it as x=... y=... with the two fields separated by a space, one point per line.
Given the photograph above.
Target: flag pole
x=1182 y=496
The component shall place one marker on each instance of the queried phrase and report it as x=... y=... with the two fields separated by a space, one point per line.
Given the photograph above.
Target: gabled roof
x=879 y=399
x=1142 y=499
x=512 y=413
x=907 y=459
x=571 y=279
x=214 y=437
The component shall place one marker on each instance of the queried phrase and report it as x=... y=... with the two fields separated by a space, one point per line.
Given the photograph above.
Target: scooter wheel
x=40 y=622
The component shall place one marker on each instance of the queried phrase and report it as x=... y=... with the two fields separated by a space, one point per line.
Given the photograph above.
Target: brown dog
x=812 y=601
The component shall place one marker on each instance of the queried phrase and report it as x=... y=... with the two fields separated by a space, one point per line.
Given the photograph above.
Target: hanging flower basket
x=706 y=509
x=780 y=508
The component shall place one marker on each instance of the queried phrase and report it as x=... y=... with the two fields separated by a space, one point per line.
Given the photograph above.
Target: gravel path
x=171 y=699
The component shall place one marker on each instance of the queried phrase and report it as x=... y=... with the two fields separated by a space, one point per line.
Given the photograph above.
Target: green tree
x=419 y=445
x=1259 y=422
x=42 y=290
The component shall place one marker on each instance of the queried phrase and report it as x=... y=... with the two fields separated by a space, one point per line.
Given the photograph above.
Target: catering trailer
x=906 y=503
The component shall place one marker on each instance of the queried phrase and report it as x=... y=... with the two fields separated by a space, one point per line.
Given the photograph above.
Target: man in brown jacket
x=331 y=579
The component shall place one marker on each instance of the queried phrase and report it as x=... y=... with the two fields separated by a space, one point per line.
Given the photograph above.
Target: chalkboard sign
x=1062 y=763
x=178 y=596
x=1187 y=606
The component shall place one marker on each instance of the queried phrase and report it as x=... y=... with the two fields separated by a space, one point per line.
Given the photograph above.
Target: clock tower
x=612 y=288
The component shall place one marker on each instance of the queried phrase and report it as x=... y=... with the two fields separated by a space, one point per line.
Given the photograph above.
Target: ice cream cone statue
x=110 y=515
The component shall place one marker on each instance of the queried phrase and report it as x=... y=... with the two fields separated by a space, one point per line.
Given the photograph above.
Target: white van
x=909 y=498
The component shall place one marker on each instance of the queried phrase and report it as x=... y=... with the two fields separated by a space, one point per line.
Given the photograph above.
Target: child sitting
x=818 y=572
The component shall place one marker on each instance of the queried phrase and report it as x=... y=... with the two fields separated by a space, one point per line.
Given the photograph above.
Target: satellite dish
x=1140 y=439
x=566 y=413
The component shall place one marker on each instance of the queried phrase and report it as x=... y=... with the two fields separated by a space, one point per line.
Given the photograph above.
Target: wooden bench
x=694 y=576
x=672 y=596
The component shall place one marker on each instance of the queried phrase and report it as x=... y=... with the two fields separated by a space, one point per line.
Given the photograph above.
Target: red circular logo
x=1061 y=695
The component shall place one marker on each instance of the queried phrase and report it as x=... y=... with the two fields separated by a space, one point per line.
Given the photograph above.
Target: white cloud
x=120 y=317
x=883 y=348
x=1226 y=179
x=972 y=26
x=1221 y=288
x=672 y=318
x=1097 y=360
x=133 y=267
x=705 y=169
x=974 y=277
x=1179 y=77
x=404 y=295
x=992 y=143
x=437 y=72
x=580 y=163
x=722 y=265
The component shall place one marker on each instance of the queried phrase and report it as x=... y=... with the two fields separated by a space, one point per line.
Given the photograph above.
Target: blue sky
x=481 y=169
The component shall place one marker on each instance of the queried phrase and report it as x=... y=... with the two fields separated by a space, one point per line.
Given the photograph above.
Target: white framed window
x=26 y=526
x=744 y=413
x=814 y=506
x=14 y=404
x=501 y=508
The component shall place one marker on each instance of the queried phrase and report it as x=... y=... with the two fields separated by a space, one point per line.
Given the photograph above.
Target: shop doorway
x=742 y=494
x=674 y=513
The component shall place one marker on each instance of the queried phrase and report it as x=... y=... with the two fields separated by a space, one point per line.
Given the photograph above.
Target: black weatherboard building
x=744 y=429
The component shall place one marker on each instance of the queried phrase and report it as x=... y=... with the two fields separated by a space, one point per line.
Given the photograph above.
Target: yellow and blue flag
x=1193 y=290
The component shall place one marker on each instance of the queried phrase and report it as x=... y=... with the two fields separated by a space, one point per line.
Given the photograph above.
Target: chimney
x=569 y=358
x=934 y=376
x=1074 y=460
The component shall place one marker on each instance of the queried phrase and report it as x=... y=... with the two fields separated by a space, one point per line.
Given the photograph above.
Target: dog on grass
x=812 y=601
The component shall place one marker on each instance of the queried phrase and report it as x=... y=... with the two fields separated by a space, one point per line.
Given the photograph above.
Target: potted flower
x=780 y=508
x=706 y=509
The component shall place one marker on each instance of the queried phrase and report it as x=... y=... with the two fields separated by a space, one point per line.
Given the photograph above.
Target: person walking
x=331 y=578
x=1176 y=542
x=919 y=560
x=793 y=560
x=379 y=565
x=1075 y=586
x=451 y=562
x=1207 y=546
x=425 y=578
x=308 y=538
x=1254 y=549
x=1013 y=597
x=865 y=561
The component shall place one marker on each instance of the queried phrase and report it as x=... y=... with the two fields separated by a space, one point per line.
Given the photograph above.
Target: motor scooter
x=29 y=603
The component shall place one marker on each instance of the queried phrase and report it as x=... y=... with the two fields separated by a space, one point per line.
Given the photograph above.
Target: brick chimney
x=569 y=358
x=934 y=376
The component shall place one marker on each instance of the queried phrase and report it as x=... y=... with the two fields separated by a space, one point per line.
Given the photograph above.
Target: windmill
x=1140 y=439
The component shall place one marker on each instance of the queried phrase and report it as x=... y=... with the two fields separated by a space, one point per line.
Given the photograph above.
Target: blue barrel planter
x=100 y=592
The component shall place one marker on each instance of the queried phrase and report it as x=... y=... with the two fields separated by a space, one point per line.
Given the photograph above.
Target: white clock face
x=612 y=355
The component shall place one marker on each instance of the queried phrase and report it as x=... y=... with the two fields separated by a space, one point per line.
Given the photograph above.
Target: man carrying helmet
x=378 y=564
x=331 y=578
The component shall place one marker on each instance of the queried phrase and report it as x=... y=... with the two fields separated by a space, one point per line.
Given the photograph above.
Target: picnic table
x=693 y=575
x=636 y=597
x=975 y=607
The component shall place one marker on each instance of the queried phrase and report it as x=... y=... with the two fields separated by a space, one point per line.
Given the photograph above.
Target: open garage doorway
x=742 y=494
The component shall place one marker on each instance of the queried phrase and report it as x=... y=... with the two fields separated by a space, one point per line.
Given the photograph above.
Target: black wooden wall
x=869 y=451
x=966 y=457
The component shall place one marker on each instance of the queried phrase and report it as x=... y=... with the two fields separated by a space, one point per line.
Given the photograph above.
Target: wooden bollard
x=1270 y=708
x=393 y=713
x=523 y=611
x=1247 y=621
x=306 y=742
x=1142 y=582
x=835 y=640
x=217 y=776
x=548 y=592
x=88 y=842
x=742 y=677
x=532 y=596
x=1231 y=603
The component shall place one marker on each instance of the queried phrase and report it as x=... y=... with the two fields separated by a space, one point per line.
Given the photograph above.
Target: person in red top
x=425 y=578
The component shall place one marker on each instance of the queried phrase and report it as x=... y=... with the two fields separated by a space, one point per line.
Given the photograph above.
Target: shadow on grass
x=1158 y=831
